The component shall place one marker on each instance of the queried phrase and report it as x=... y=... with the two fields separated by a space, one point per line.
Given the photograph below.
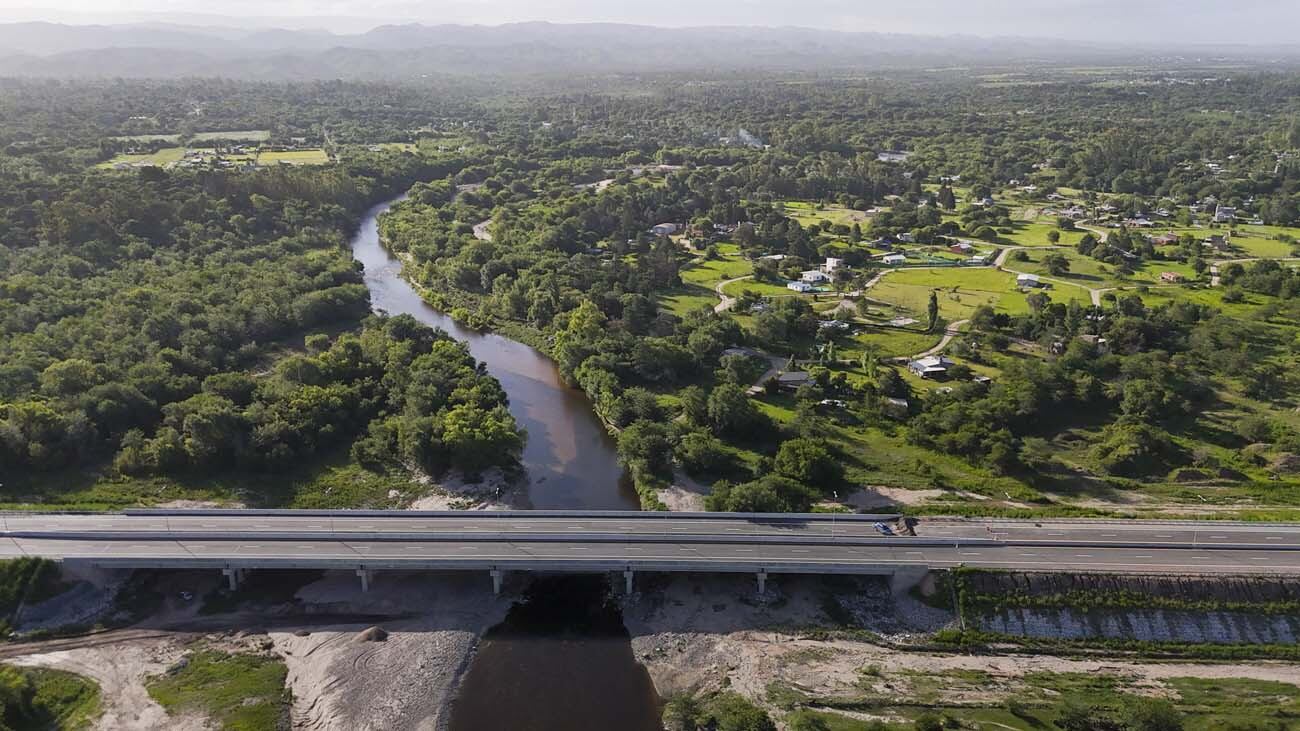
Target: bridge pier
x=233 y=577
x=762 y=582
x=627 y=578
x=367 y=575
x=496 y=581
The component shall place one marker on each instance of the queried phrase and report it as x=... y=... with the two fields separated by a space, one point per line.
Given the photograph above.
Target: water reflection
x=570 y=458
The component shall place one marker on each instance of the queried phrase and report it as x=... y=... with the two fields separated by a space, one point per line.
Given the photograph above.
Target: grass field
x=687 y=300
x=1034 y=233
x=709 y=273
x=1249 y=241
x=808 y=214
x=241 y=135
x=961 y=291
x=293 y=157
x=161 y=158
x=1089 y=272
x=764 y=289
x=238 y=692
x=148 y=138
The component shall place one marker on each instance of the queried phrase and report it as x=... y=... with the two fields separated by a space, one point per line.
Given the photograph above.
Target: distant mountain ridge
x=410 y=51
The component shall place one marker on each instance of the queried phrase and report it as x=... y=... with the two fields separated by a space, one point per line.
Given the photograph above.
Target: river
x=570 y=457
x=562 y=660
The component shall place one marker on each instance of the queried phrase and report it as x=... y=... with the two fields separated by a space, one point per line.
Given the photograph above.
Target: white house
x=933 y=366
x=832 y=264
x=799 y=286
x=893 y=259
x=664 y=229
x=813 y=276
x=1224 y=214
x=1027 y=280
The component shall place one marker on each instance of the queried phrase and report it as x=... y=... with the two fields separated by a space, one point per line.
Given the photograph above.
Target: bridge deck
x=574 y=541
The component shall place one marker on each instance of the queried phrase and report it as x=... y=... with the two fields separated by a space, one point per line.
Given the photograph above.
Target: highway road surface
x=577 y=541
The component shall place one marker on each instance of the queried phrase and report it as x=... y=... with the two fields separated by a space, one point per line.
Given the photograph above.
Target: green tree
x=732 y=412
x=768 y=494
x=810 y=462
x=1057 y=264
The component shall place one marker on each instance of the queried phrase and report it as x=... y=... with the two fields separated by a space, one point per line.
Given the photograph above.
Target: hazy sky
x=1162 y=21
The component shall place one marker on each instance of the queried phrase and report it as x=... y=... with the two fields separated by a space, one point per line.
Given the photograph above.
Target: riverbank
x=853 y=650
x=393 y=657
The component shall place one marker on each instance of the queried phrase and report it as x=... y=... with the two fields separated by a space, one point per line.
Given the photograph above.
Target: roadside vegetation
x=48 y=700
x=238 y=692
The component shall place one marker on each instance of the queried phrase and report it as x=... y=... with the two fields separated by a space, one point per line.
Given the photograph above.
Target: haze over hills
x=411 y=51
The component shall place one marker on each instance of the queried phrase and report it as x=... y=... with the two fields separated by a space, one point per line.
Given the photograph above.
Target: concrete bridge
x=236 y=541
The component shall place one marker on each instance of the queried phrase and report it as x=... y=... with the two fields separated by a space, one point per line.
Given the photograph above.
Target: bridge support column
x=232 y=577
x=627 y=579
x=367 y=576
x=762 y=582
x=496 y=581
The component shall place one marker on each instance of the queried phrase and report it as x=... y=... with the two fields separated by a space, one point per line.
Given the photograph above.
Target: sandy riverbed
x=703 y=634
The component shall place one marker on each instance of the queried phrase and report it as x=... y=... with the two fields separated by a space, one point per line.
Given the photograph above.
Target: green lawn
x=961 y=291
x=294 y=157
x=709 y=273
x=1034 y=233
x=764 y=289
x=1249 y=241
x=688 y=299
x=238 y=692
x=242 y=135
x=148 y=138
x=888 y=342
x=808 y=214
x=1088 y=272
x=161 y=158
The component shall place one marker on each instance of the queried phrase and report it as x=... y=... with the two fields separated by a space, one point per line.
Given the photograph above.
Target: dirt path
x=727 y=300
x=121 y=668
x=949 y=332
x=481 y=230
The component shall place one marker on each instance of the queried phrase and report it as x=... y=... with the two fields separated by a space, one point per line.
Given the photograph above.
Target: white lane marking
x=1164 y=535
x=1218 y=538
x=1083 y=555
x=1141 y=557
x=1272 y=538
x=1030 y=555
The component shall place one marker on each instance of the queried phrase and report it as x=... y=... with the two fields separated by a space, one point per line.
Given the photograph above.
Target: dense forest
x=165 y=322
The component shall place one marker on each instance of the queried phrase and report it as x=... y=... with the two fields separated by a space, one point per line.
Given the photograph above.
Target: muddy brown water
x=562 y=659
x=570 y=457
